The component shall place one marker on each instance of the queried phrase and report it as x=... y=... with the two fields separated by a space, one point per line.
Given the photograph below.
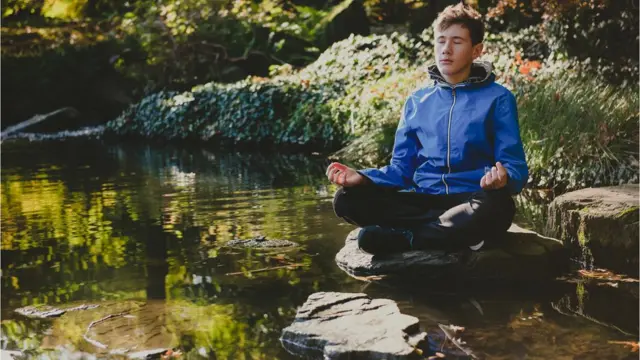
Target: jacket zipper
x=446 y=186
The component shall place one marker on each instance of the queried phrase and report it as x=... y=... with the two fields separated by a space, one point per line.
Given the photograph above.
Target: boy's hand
x=343 y=175
x=495 y=179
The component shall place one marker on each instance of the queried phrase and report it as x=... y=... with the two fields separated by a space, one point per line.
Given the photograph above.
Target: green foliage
x=21 y=8
x=279 y=16
x=588 y=31
x=194 y=41
x=244 y=112
x=367 y=59
x=316 y=107
x=592 y=34
x=579 y=132
x=183 y=43
x=56 y=10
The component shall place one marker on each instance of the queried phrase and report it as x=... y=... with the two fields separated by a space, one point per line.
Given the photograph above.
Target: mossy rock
x=603 y=222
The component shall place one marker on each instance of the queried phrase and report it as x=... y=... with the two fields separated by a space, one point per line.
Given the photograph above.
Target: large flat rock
x=332 y=325
x=521 y=255
x=603 y=222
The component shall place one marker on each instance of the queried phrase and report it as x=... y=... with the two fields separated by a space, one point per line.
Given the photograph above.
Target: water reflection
x=147 y=224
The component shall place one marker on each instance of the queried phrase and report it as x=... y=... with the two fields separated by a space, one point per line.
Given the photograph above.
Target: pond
x=87 y=221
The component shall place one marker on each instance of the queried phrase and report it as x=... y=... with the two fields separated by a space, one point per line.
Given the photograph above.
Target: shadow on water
x=144 y=228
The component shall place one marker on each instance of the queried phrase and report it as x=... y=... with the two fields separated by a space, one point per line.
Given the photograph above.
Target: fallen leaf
x=634 y=345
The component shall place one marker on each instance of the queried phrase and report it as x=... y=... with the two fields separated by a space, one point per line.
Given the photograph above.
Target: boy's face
x=454 y=50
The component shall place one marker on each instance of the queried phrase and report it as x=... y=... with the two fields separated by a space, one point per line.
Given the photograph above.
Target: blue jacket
x=448 y=134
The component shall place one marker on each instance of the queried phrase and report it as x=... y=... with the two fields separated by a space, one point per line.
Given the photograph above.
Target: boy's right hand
x=343 y=175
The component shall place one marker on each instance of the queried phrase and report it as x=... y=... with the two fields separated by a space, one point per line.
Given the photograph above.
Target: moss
x=581 y=293
x=627 y=211
x=582 y=237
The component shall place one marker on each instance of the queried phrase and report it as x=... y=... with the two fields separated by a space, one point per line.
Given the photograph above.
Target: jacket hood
x=481 y=74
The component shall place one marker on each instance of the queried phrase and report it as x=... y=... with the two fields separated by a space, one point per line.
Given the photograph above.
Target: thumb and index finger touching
x=500 y=167
x=336 y=166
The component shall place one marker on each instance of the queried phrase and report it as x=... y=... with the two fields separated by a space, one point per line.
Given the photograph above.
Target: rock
x=11 y=354
x=46 y=311
x=334 y=325
x=345 y=19
x=148 y=354
x=260 y=242
x=39 y=119
x=602 y=222
x=591 y=300
x=521 y=255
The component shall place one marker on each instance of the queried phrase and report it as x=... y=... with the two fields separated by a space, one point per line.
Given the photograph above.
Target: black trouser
x=437 y=221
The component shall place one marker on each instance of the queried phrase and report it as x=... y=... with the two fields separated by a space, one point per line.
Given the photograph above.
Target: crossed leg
x=437 y=221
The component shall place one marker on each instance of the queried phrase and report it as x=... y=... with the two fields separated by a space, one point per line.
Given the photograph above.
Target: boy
x=457 y=156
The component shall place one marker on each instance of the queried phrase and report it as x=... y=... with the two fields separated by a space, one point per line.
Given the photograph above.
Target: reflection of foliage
x=24 y=335
x=74 y=233
x=80 y=222
x=223 y=331
x=279 y=16
x=106 y=230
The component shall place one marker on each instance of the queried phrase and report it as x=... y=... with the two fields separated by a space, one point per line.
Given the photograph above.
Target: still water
x=85 y=222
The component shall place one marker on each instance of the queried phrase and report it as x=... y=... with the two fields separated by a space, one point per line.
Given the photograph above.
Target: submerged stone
x=146 y=329
x=520 y=255
x=148 y=354
x=260 y=242
x=11 y=354
x=46 y=311
x=333 y=325
x=601 y=222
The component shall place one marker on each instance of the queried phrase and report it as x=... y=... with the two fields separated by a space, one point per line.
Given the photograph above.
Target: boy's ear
x=476 y=52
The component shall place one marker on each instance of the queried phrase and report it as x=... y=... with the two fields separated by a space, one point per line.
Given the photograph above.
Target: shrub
x=313 y=107
x=587 y=31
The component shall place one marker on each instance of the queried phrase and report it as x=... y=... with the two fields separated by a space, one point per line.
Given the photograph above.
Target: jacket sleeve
x=399 y=173
x=508 y=147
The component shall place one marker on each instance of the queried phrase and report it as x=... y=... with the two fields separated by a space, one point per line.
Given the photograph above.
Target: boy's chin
x=446 y=69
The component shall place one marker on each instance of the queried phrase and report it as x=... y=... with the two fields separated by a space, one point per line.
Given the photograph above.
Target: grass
x=579 y=131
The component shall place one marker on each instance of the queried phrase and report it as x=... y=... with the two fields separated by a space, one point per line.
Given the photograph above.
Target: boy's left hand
x=495 y=179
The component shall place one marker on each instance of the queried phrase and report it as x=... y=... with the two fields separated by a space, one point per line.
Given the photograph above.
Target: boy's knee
x=340 y=203
x=503 y=208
